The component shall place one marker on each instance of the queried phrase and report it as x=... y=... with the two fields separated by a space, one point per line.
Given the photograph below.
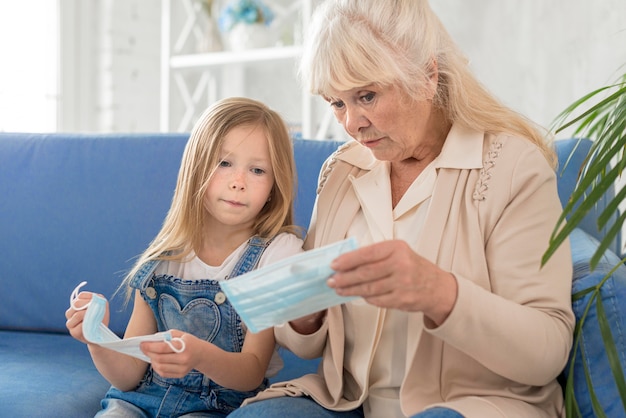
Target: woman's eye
x=337 y=104
x=368 y=97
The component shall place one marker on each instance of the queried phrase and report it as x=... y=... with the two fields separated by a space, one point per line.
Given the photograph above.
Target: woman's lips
x=371 y=143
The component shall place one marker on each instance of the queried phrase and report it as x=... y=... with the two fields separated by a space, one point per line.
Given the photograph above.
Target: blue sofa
x=77 y=207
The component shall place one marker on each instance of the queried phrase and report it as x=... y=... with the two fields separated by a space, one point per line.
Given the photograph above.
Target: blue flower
x=244 y=11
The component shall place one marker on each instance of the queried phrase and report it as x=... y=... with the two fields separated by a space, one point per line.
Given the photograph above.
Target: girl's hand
x=75 y=315
x=170 y=364
x=390 y=274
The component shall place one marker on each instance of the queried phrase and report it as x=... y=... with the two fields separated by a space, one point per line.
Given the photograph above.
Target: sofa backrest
x=77 y=207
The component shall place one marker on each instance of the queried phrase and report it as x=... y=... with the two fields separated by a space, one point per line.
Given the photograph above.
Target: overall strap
x=251 y=256
x=141 y=278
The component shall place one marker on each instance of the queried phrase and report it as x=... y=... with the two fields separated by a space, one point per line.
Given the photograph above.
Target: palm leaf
x=592 y=113
x=605 y=122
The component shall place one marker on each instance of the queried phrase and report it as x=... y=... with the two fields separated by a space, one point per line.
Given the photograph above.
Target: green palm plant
x=605 y=123
x=602 y=119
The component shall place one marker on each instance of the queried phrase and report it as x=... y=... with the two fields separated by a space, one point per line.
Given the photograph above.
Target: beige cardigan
x=510 y=332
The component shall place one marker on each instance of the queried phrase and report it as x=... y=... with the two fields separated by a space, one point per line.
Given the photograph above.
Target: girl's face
x=392 y=125
x=243 y=179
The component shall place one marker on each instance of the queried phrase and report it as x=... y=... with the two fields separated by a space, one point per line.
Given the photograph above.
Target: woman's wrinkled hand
x=390 y=274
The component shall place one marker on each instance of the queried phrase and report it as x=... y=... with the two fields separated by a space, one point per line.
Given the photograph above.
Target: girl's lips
x=234 y=203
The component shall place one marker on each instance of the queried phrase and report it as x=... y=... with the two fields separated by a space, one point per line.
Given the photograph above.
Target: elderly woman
x=452 y=197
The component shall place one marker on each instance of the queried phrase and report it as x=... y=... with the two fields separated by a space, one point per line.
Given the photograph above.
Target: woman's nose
x=354 y=120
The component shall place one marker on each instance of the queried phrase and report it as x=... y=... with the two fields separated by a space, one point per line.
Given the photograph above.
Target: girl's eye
x=224 y=163
x=258 y=171
x=368 y=97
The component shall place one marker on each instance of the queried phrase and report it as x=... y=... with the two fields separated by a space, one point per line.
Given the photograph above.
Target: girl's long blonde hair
x=182 y=230
x=355 y=43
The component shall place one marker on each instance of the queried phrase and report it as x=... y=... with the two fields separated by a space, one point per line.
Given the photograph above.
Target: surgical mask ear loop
x=74 y=296
x=173 y=347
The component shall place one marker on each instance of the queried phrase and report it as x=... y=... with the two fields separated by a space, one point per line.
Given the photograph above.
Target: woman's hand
x=167 y=362
x=390 y=274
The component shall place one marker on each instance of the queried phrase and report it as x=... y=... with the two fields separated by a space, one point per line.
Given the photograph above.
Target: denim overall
x=195 y=307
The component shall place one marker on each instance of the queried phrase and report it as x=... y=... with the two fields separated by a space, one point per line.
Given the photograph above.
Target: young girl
x=232 y=211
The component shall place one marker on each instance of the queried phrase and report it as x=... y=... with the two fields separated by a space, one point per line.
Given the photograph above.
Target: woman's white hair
x=353 y=43
x=356 y=43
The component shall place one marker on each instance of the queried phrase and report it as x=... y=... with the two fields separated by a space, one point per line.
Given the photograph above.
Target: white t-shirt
x=283 y=246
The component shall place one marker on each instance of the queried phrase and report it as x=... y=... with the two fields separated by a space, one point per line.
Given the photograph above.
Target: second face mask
x=287 y=290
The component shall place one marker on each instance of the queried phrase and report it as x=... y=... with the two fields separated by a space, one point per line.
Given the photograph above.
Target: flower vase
x=245 y=36
x=212 y=41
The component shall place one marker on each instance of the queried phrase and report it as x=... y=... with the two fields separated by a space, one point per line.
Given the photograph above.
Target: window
x=29 y=39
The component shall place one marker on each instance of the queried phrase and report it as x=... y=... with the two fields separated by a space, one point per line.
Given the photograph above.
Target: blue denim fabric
x=438 y=412
x=306 y=407
x=196 y=307
x=291 y=407
x=591 y=363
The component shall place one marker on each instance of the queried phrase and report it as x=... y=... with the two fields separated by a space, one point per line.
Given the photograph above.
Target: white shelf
x=192 y=81
x=216 y=59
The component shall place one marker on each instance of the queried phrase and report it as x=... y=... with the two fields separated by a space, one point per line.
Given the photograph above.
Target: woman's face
x=392 y=125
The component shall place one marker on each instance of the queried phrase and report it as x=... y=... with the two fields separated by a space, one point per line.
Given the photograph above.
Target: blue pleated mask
x=288 y=289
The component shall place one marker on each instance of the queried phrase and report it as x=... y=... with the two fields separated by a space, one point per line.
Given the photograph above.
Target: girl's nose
x=238 y=182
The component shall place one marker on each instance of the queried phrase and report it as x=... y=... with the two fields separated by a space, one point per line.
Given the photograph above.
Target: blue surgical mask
x=289 y=289
x=96 y=332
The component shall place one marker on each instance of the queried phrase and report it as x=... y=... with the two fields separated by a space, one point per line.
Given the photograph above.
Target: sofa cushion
x=48 y=375
x=610 y=302
x=80 y=208
x=58 y=373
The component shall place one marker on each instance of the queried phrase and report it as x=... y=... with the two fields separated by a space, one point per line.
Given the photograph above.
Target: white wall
x=536 y=55
x=128 y=45
x=539 y=56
